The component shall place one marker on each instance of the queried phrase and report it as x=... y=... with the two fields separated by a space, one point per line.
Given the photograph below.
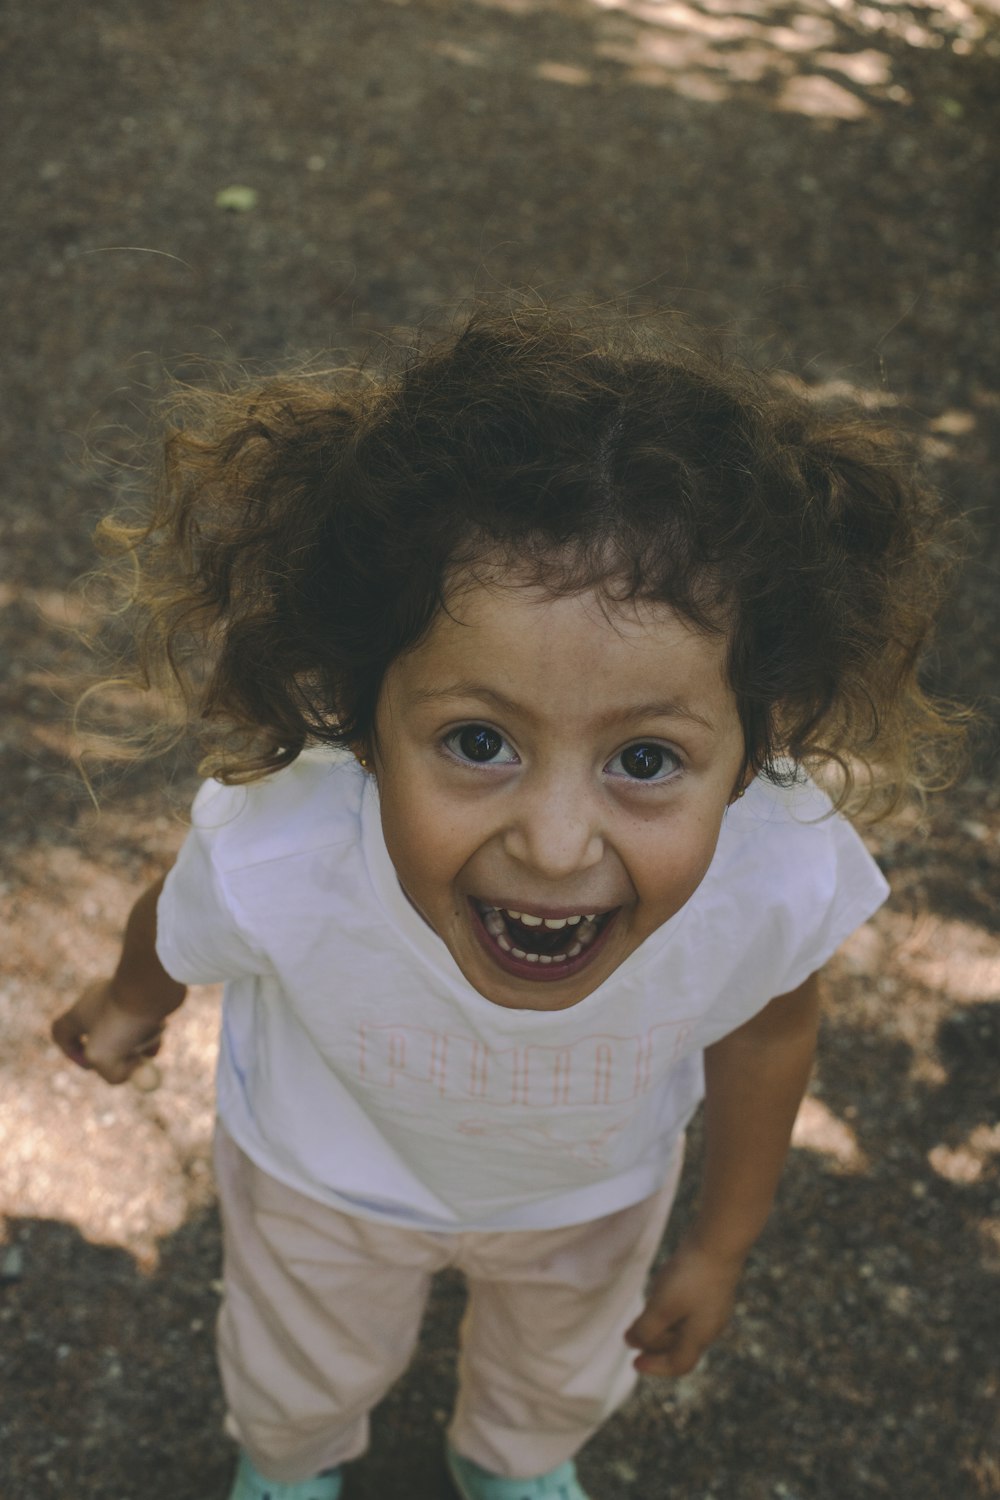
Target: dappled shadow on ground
x=112 y=1368
x=824 y=61
x=817 y=179
x=866 y=1321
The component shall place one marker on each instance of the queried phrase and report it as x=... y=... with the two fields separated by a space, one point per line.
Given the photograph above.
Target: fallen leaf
x=238 y=200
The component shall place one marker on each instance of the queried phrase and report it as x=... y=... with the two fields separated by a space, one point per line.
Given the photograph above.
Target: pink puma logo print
x=602 y=1069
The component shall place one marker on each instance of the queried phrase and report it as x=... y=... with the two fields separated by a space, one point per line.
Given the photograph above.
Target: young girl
x=510 y=665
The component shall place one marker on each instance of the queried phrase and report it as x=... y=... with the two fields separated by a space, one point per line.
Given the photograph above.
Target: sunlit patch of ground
x=817 y=179
x=831 y=60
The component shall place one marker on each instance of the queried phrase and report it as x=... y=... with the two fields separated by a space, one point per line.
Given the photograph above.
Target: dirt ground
x=818 y=178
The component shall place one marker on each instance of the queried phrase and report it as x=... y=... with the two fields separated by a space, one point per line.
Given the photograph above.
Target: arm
x=119 y=1021
x=754 y=1082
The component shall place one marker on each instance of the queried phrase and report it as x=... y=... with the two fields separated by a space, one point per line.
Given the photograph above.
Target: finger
x=666 y=1365
x=655 y=1326
x=113 y=1070
x=675 y=1355
x=662 y=1340
x=109 y=1061
x=70 y=1040
x=115 y=1053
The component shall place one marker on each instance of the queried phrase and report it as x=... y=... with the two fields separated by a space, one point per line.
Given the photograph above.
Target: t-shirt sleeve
x=199 y=936
x=792 y=890
x=857 y=888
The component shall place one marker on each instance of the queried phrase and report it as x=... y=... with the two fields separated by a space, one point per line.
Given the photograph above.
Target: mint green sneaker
x=474 y=1483
x=250 y=1485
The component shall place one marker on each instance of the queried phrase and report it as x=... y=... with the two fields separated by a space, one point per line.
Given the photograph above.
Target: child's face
x=564 y=760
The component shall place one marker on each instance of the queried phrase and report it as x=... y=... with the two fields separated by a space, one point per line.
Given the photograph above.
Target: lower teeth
x=497 y=928
x=537 y=958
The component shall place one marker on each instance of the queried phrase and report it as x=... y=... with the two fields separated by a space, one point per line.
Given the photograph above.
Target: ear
x=741 y=785
x=363 y=756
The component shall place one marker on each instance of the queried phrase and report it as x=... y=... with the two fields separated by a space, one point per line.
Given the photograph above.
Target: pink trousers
x=321 y=1313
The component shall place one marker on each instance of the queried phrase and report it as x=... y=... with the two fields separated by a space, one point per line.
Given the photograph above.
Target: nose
x=555 y=827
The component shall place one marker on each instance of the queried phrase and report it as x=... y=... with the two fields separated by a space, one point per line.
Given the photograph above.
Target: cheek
x=424 y=845
x=675 y=868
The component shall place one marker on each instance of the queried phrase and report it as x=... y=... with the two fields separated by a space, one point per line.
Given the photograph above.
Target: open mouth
x=540 y=947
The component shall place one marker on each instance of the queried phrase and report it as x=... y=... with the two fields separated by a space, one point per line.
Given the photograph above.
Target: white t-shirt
x=359 y=1066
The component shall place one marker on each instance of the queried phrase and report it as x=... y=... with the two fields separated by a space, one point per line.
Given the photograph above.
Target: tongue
x=539 y=939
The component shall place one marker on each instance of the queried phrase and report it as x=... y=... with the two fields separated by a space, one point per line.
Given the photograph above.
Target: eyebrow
x=661 y=708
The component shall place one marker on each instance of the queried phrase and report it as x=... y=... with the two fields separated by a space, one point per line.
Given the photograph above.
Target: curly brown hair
x=305 y=533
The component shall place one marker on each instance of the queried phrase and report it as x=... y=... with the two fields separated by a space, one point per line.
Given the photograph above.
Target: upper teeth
x=530 y=920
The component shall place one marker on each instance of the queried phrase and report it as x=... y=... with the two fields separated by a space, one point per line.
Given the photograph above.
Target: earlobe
x=742 y=785
x=361 y=755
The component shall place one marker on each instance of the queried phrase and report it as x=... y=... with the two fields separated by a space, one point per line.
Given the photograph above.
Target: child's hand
x=98 y=1032
x=689 y=1304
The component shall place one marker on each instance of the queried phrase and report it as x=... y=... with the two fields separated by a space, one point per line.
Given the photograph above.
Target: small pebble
x=147 y=1078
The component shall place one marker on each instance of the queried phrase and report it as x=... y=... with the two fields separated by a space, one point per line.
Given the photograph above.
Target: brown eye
x=480 y=744
x=645 y=762
x=477 y=743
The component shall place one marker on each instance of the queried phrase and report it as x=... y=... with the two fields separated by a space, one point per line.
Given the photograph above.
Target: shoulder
x=786 y=848
x=791 y=879
x=794 y=820
x=308 y=806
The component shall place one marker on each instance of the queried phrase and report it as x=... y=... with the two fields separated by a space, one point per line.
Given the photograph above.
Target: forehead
x=577 y=654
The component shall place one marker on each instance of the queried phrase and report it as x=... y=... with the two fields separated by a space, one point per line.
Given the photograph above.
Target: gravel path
x=819 y=179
